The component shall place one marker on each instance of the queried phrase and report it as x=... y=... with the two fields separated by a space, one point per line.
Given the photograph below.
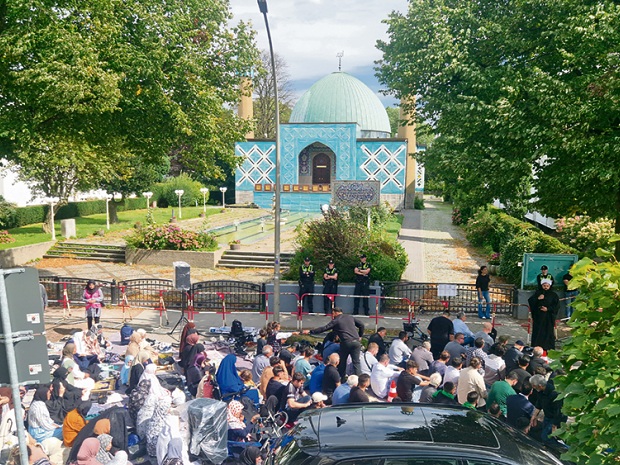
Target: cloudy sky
x=309 y=33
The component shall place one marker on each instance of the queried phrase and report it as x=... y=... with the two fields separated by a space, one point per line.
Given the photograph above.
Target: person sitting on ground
x=453 y=371
x=146 y=345
x=318 y=401
x=195 y=370
x=342 y=392
x=476 y=351
x=485 y=334
x=296 y=399
x=277 y=383
x=331 y=345
x=86 y=351
x=399 y=351
x=134 y=344
x=472 y=400
x=522 y=374
x=426 y=396
x=287 y=355
x=261 y=341
x=461 y=327
x=382 y=376
x=273 y=329
x=446 y=394
x=189 y=328
x=303 y=364
x=512 y=355
x=547 y=402
x=378 y=339
x=495 y=411
x=246 y=377
x=331 y=377
x=358 y=393
x=470 y=379
x=495 y=367
x=440 y=365
x=64 y=397
x=105 y=457
x=368 y=359
x=537 y=360
x=410 y=383
x=268 y=374
x=40 y=423
x=74 y=422
x=137 y=370
x=261 y=362
x=87 y=455
x=455 y=348
x=229 y=381
x=423 y=356
x=126 y=370
x=189 y=352
x=518 y=405
x=501 y=390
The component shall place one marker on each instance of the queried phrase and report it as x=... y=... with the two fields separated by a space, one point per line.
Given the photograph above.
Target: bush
x=418 y=202
x=480 y=228
x=6 y=238
x=30 y=215
x=171 y=237
x=163 y=192
x=586 y=235
x=379 y=215
x=8 y=211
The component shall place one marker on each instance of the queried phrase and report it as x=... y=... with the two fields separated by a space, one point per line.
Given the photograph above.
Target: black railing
x=148 y=292
x=236 y=295
x=434 y=297
x=56 y=285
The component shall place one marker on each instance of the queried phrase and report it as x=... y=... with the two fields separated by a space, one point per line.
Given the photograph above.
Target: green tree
x=97 y=83
x=590 y=359
x=521 y=95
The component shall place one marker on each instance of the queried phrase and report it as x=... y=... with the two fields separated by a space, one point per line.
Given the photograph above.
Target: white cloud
x=309 y=34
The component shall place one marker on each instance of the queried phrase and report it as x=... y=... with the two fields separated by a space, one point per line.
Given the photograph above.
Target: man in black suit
x=512 y=355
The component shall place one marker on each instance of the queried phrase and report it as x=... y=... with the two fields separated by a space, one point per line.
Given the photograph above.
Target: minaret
x=408 y=132
x=246 y=107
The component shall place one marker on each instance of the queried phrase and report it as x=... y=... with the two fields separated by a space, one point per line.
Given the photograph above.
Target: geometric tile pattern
x=257 y=165
x=419 y=177
x=383 y=165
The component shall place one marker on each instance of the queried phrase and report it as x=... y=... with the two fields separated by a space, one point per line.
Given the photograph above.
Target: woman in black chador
x=544 y=305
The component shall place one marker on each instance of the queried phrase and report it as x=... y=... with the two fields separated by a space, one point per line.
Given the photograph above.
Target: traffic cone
x=392 y=394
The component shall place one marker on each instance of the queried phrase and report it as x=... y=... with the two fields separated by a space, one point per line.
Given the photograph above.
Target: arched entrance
x=321 y=169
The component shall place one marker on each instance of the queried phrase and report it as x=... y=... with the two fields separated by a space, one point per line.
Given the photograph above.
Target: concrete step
x=82 y=251
x=248 y=259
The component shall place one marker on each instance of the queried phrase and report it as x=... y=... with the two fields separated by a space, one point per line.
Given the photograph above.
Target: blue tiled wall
x=294 y=201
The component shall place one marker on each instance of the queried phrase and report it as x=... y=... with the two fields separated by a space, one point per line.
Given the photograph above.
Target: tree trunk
x=47 y=223
x=114 y=211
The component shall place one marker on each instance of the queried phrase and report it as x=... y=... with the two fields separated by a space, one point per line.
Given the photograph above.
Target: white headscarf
x=156 y=388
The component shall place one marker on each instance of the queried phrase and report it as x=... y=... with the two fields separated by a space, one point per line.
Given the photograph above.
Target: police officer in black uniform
x=362 y=284
x=330 y=286
x=544 y=274
x=306 y=284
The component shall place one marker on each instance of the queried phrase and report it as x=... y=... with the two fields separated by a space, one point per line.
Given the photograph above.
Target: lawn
x=392 y=227
x=88 y=225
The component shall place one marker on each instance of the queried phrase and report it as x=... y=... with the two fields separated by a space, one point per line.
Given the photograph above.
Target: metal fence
x=435 y=297
x=152 y=293
x=237 y=295
x=61 y=288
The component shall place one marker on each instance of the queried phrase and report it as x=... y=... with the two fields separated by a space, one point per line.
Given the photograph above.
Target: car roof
x=397 y=426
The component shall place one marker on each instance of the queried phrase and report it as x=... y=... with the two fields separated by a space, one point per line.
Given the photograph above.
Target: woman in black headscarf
x=62 y=400
x=250 y=456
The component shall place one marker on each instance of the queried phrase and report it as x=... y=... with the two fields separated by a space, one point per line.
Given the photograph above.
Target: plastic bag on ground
x=209 y=429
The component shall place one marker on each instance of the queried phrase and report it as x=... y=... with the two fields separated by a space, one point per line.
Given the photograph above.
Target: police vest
x=362 y=266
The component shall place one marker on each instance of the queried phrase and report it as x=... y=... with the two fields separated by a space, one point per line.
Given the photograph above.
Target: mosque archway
x=317 y=165
x=321 y=169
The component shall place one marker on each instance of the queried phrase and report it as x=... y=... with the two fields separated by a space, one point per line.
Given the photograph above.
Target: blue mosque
x=338 y=131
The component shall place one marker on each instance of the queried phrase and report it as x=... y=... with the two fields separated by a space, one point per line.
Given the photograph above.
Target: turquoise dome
x=342 y=98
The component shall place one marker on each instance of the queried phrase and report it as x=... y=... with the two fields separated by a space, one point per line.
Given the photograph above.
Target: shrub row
x=511 y=237
x=16 y=217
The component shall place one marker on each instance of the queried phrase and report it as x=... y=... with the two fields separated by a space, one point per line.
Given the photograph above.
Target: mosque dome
x=342 y=98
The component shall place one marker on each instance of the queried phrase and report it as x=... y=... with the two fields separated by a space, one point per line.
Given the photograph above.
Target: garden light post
x=108 y=197
x=53 y=226
x=223 y=191
x=148 y=196
x=180 y=193
x=204 y=192
x=262 y=6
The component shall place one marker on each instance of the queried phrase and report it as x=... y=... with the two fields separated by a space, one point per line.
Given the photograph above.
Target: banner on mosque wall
x=356 y=193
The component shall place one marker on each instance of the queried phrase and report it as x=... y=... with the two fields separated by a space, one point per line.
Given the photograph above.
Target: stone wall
x=167 y=257
x=18 y=256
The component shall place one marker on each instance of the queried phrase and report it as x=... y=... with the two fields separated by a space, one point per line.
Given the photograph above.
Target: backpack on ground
x=126 y=332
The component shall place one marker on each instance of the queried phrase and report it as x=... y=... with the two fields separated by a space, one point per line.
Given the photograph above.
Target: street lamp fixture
x=204 y=192
x=262 y=6
x=223 y=191
x=108 y=197
x=148 y=196
x=180 y=193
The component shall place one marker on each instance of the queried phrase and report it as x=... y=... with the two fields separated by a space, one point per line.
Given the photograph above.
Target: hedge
x=36 y=213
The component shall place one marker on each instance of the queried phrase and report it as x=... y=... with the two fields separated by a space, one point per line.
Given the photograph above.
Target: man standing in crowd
x=461 y=327
x=378 y=338
x=362 y=284
x=441 y=331
x=306 y=284
x=349 y=330
x=544 y=274
x=330 y=286
x=399 y=352
x=544 y=305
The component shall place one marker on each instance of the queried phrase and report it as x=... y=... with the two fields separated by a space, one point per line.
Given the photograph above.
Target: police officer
x=330 y=286
x=362 y=284
x=306 y=284
x=544 y=274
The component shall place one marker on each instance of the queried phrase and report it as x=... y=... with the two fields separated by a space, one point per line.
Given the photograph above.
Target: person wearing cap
x=306 y=284
x=512 y=355
x=349 y=330
x=330 y=286
x=362 y=284
x=544 y=306
x=544 y=274
x=318 y=401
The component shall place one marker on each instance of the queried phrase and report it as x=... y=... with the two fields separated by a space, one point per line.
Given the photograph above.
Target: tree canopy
x=114 y=88
x=521 y=95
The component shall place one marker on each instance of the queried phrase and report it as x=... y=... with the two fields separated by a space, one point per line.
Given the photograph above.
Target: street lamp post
x=108 y=197
x=262 y=5
x=223 y=191
x=148 y=196
x=180 y=193
x=204 y=191
x=53 y=226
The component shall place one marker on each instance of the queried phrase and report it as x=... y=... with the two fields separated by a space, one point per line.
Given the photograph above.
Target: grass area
x=392 y=227
x=88 y=225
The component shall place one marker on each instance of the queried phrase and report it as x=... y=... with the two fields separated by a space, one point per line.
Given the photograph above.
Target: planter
x=493 y=269
x=235 y=246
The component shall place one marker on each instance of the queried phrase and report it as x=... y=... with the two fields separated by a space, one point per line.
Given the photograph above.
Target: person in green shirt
x=472 y=400
x=501 y=390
